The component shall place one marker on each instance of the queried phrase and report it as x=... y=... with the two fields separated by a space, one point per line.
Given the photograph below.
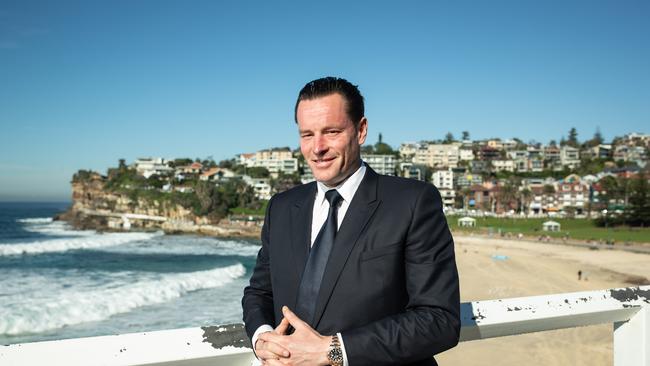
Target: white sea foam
x=36 y=220
x=191 y=245
x=65 y=244
x=33 y=313
x=52 y=228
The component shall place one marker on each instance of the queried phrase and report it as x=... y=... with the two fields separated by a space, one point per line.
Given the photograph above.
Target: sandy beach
x=533 y=268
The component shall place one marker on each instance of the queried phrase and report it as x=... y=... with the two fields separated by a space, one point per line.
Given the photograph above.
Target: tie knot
x=333 y=197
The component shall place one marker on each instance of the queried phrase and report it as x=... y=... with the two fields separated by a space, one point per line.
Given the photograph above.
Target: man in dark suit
x=356 y=268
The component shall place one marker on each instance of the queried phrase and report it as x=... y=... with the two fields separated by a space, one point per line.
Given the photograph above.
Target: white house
x=152 y=166
x=443 y=179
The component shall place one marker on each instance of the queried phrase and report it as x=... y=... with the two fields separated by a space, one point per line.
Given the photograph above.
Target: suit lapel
x=301 y=216
x=361 y=209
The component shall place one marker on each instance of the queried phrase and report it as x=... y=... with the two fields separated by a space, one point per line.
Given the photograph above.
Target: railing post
x=632 y=340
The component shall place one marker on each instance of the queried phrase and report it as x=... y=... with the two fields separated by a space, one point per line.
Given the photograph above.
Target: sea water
x=58 y=283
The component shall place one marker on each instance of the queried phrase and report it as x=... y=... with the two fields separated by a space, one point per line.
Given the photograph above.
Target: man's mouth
x=323 y=161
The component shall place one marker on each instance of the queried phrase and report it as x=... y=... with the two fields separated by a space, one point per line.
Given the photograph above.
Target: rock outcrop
x=96 y=208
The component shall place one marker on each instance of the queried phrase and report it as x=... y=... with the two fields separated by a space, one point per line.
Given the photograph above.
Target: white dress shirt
x=347 y=189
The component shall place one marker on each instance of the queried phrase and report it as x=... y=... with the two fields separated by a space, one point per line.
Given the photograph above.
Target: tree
x=595 y=141
x=552 y=143
x=204 y=192
x=367 y=149
x=609 y=191
x=383 y=149
x=449 y=138
x=598 y=137
x=465 y=135
x=380 y=148
x=466 y=193
x=209 y=163
x=508 y=194
x=638 y=210
x=284 y=182
x=180 y=162
x=524 y=198
x=549 y=189
x=227 y=164
x=573 y=137
x=258 y=172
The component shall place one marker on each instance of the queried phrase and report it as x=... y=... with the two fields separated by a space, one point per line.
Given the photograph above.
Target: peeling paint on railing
x=626 y=308
x=226 y=335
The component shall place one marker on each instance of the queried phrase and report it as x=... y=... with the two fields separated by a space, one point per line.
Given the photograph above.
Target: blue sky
x=85 y=83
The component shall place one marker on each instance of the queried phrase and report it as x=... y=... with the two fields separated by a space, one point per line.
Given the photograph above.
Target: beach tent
x=467 y=222
x=551 y=226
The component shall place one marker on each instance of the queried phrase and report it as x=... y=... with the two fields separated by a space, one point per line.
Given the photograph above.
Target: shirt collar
x=347 y=189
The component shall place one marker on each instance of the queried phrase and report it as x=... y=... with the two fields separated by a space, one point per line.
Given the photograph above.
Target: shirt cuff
x=263 y=328
x=345 y=355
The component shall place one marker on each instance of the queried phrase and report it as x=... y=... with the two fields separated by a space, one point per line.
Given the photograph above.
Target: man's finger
x=266 y=349
x=264 y=355
x=272 y=338
x=281 y=329
x=293 y=319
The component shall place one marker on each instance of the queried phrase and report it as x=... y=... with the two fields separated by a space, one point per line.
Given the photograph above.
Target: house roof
x=210 y=172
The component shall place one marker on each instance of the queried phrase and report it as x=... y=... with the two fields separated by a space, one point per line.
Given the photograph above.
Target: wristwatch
x=335 y=355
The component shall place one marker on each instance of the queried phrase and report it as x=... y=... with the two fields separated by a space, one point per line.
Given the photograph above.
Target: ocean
x=58 y=283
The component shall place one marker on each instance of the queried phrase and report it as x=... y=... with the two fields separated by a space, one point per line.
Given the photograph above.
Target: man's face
x=328 y=139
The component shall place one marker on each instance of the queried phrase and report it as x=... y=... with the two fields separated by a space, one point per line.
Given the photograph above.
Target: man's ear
x=362 y=130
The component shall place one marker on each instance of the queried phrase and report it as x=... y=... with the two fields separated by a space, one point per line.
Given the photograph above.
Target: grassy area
x=247 y=211
x=580 y=229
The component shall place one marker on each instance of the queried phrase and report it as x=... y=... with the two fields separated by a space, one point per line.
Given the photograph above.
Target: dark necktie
x=318 y=256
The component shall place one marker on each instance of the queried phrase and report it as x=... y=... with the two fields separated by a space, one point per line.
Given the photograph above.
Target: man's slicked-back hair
x=332 y=85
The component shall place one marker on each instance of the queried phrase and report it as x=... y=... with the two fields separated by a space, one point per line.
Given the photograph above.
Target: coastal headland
x=95 y=206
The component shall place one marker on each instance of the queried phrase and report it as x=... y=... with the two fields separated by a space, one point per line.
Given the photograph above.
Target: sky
x=85 y=83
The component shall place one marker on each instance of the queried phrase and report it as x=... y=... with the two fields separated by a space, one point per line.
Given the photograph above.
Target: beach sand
x=536 y=269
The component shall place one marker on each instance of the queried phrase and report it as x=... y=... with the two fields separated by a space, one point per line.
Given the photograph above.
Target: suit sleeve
x=430 y=323
x=257 y=302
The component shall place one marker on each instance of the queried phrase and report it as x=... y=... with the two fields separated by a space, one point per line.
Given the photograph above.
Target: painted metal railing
x=628 y=309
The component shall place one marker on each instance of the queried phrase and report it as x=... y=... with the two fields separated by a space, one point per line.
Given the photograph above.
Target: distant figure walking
x=579 y=275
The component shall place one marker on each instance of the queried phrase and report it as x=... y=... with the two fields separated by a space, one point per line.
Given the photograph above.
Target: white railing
x=628 y=309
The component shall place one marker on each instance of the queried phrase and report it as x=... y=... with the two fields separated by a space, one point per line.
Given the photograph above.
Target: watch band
x=335 y=354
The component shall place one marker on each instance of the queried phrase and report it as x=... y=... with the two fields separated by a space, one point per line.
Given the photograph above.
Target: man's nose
x=320 y=145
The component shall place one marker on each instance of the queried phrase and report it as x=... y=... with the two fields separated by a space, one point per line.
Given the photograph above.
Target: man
x=368 y=279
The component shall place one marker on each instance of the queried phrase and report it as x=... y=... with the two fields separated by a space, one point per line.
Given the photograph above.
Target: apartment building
x=569 y=156
x=382 y=164
x=438 y=155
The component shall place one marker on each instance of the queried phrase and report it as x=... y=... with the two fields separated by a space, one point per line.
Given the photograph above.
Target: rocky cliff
x=97 y=208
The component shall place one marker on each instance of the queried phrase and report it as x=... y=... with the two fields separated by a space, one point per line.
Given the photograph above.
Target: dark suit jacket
x=390 y=286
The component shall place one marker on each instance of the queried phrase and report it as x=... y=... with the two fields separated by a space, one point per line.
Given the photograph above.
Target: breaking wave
x=49 y=227
x=35 y=220
x=75 y=306
x=90 y=241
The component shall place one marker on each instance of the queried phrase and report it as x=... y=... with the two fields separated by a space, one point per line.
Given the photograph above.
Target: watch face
x=335 y=356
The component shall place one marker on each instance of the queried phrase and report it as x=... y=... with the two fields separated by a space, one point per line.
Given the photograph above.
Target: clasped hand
x=304 y=346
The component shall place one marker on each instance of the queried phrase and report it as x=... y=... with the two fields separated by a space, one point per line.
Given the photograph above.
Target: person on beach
x=355 y=268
